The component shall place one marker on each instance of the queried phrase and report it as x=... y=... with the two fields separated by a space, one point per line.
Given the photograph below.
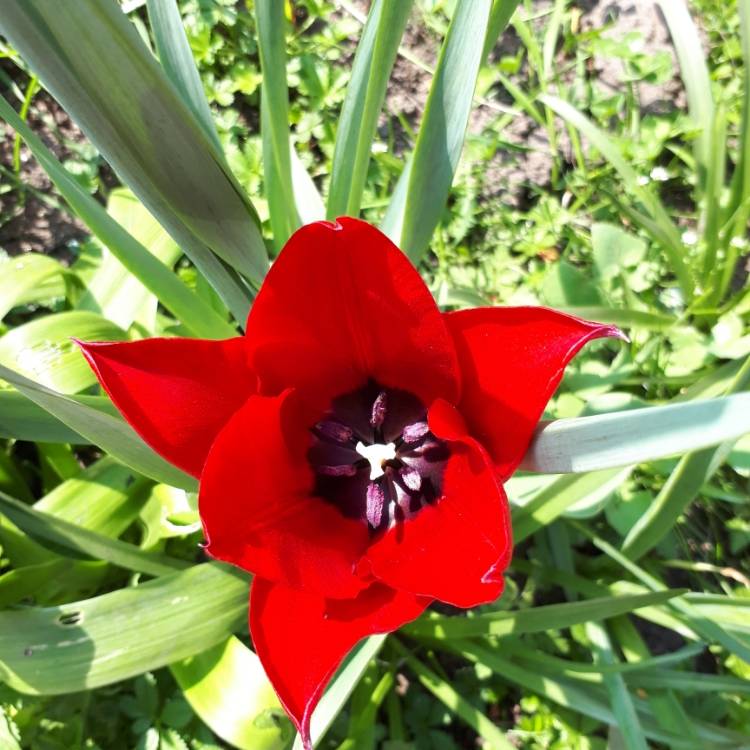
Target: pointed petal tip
x=617 y=333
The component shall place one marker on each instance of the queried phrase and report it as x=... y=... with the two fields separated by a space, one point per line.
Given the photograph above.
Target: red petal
x=343 y=304
x=456 y=549
x=301 y=639
x=512 y=360
x=257 y=508
x=177 y=394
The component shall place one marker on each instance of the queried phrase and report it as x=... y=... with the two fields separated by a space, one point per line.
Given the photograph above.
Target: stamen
x=347 y=470
x=375 y=504
x=378 y=410
x=412 y=478
x=377 y=455
x=335 y=431
x=414 y=432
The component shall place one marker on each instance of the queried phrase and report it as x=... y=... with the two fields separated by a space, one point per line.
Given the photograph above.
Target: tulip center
x=375 y=458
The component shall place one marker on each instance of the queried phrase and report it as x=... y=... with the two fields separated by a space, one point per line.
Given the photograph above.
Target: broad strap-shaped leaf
x=373 y=62
x=686 y=480
x=199 y=317
x=176 y=58
x=115 y=292
x=22 y=419
x=623 y=438
x=86 y=644
x=414 y=212
x=43 y=348
x=111 y=85
x=108 y=432
x=274 y=105
x=73 y=538
x=227 y=687
x=30 y=278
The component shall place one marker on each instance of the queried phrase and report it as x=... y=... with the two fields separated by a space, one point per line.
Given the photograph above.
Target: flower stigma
x=377 y=455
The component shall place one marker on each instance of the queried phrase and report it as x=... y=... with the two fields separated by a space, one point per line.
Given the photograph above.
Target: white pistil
x=377 y=455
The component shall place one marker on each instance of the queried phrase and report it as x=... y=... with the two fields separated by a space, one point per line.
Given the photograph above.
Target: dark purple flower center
x=375 y=458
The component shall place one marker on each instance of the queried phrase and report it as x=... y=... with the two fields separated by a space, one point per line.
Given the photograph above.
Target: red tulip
x=351 y=447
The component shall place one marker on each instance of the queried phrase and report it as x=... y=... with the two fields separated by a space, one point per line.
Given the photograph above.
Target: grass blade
x=535 y=620
x=492 y=737
x=668 y=234
x=631 y=437
x=373 y=61
x=341 y=687
x=619 y=697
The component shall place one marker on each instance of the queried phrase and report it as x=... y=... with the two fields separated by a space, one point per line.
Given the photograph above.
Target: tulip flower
x=351 y=446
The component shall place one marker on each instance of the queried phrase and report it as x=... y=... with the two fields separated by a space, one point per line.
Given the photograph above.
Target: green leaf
x=108 y=432
x=631 y=437
x=695 y=76
x=110 y=84
x=29 y=278
x=227 y=687
x=103 y=497
x=44 y=350
x=619 y=697
x=115 y=292
x=99 y=641
x=706 y=627
x=666 y=232
x=177 y=60
x=500 y=15
x=691 y=473
x=561 y=494
x=274 y=106
x=566 y=285
x=21 y=419
x=579 y=698
x=415 y=212
x=535 y=620
x=373 y=62
x=198 y=316
x=68 y=536
x=648 y=320
x=615 y=249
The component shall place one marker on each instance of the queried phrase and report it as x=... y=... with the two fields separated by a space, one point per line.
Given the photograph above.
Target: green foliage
x=625 y=617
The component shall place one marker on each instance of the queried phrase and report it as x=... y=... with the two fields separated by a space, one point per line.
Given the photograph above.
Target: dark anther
x=339 y=433
x=375 y=503
x=413 y=433
x=378 y=410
